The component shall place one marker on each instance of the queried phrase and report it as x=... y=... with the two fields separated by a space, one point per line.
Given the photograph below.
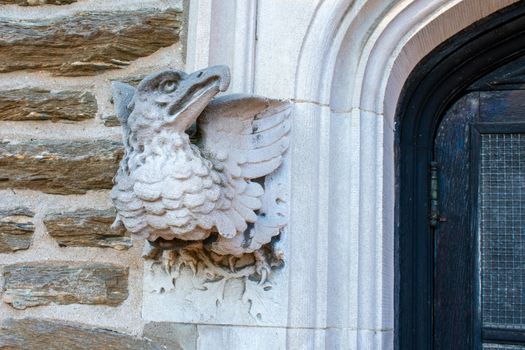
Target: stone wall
x=67 y=280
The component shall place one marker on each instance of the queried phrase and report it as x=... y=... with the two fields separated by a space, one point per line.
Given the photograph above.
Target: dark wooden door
x=479 y=233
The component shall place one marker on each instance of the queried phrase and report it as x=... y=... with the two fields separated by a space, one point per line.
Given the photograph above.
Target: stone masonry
x=67 y=280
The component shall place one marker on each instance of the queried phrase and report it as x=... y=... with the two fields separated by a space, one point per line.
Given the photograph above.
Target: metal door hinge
x=434 y=217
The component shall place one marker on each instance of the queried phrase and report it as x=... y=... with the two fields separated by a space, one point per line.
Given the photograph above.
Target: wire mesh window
x=502 y=230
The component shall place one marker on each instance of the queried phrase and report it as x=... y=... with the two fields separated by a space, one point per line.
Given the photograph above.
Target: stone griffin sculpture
x=196 y=194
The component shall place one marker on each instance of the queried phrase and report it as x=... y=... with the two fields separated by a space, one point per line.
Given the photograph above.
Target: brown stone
x=16 y=229
x=42 y=283
x=61 y=167
x=24 y=334
x=87 y=43
x=111 y=120
x=38 y=104
x=86 y=228
x=131 y=80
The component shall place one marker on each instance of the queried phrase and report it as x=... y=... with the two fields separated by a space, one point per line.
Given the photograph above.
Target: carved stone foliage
x=192 y=179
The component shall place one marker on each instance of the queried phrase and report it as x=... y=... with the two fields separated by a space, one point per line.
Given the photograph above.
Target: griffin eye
x=169 y=86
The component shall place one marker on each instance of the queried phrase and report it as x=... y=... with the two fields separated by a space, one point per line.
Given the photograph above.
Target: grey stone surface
x=16 y=229
x=96 y=41
x=61 y=167
x=39 y=104
x=41 y=283
x=25 y=334
x=175 y=336
x=86 y=228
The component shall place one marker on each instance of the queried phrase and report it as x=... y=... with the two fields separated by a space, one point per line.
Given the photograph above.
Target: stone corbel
x=191 y=181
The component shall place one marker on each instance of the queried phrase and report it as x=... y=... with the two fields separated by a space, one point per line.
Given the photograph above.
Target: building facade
x=353 y=181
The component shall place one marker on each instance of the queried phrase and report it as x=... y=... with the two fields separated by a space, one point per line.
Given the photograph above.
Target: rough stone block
x=38 y=104
x=35 y=334
x=86 y=228
x=61 y=167
x=96 y=41
x=41 y=283
x=111 y=120
x=16 y=229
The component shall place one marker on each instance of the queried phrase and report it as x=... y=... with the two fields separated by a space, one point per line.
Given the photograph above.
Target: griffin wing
x=245 y=137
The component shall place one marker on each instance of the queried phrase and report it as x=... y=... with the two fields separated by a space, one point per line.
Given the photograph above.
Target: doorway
x=477 y=215
x=461 y=192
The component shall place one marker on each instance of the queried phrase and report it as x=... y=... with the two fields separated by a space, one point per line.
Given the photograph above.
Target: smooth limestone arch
x=344 y=64
x=358 y=75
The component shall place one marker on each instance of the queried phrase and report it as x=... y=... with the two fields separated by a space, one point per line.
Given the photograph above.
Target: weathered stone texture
x=86 y=228
x=42 y=283
x=16 y=229
x=37 y=2
x=36 y=334
x=112 y=120
x=61 y=167
x=175 y=336
x=131 y=80
x=86 y=43
x=38 y=104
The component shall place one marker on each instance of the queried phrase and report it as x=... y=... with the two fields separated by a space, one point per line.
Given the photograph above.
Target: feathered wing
x=246 y=137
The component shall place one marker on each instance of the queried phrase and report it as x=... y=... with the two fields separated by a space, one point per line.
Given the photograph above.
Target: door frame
x=434 y=86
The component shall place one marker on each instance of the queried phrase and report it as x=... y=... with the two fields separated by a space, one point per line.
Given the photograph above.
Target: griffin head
x=170 y=98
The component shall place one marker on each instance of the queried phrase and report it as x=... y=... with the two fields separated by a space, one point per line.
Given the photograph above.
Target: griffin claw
x=264 y=276
x=193 y=268
x=168 y=260
x=231 y=262
x=261 y=267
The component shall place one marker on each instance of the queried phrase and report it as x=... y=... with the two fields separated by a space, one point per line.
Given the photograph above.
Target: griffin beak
x=198 y=89
x=221 y=73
